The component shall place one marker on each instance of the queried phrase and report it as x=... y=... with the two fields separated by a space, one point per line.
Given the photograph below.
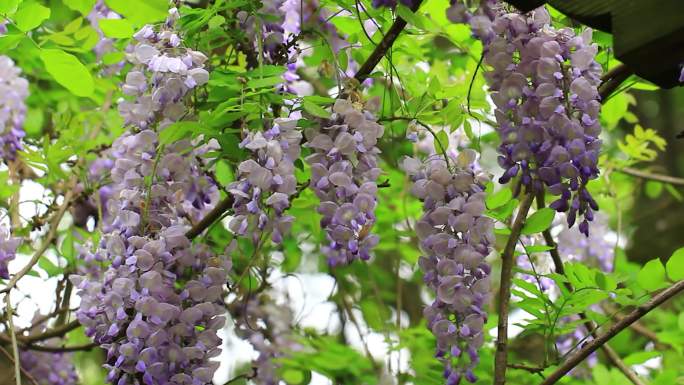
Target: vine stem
x=616 y=328
x=501 y=357
x=611 y=354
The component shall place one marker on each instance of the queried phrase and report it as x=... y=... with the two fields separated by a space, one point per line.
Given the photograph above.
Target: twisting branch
x=616 y=328
x=501 y=357
x=382 y=48
x=611 y=354
x=652 y=176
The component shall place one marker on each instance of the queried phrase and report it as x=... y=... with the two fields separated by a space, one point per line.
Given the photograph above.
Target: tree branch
x=651 y=176
x=382 y=48
x=501 y=357
x=616 y=328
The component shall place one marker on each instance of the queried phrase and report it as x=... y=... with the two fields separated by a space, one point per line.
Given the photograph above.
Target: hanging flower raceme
x=158 y=306
x=13 y=93
x=344 y=170
x=455 y=238
x=544 y=86
x=266 y=182
x=164 y=72
x=8 y=250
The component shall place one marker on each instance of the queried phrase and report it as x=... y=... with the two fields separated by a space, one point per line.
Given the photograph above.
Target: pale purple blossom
x=455 y=237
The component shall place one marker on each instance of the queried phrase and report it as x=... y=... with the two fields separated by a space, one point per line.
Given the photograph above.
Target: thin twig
x=611 y=354
x=652 y=176
x=616 y=328
x=501 y=357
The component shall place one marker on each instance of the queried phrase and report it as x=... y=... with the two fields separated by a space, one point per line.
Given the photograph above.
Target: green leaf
x=653 y=189
x=539 y=221
x=441 y=142
x=264 y=82
x=50 y=268
x=8 y=7
x=537 y=248
x=10 y=42
x=652 y=276
x=116 y=28
x=68 y=71
x=140 y=12
x=499 y=198
x=315 y=109
x=640 y=357
x=405 y=13
x=178 y=131
x=675 y=265
x=216 y=22
x=68 y=250
x=31 y=15
x=82 y=6
x=293 y=376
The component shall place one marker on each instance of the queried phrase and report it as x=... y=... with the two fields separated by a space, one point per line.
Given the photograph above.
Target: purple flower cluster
x=544 y=85
x=157 y=307
x=455 y=238
x=163 y=73
x=13 y=93
x=49 y=368
x=8 y=250
x=268 y=327
x=266 y=182
x=344 y=170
